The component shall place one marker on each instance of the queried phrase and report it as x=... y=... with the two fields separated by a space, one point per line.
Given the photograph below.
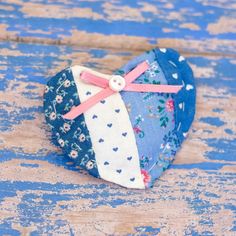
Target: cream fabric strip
x=111 y=134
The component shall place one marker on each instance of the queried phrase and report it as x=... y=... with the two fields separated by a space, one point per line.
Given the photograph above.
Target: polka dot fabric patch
x=125 y=128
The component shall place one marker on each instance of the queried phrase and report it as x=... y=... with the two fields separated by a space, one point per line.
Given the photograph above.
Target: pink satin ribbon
x=108 y=91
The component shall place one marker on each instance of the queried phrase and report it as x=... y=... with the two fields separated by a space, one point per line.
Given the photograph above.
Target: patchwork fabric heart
x=124 y=128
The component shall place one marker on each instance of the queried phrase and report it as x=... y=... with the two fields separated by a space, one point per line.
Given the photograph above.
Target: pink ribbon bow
x=116 y=84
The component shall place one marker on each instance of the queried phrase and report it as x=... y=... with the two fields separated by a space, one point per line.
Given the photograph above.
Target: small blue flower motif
x=66 y=127
x=73 y=154
x=152 y=74
x=59 y=99
x=67 y=83
x=90 y=165
x=167 y=146
x=162 y=146
x=144 y=161
x=139 y=118
x=153 y=69
x=154 y=66
x=53 y=116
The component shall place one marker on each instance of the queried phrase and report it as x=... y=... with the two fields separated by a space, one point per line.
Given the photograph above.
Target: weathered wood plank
x=43 y=193
x=198 y=25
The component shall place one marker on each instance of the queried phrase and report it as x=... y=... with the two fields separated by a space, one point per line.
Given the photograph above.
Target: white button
x=116 y=83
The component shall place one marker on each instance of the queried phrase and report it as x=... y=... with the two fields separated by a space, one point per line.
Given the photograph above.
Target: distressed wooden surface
x=197 y=25
x=41 y=192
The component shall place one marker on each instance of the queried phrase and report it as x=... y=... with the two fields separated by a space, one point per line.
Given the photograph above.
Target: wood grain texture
x=42 y=192
x=198 y=25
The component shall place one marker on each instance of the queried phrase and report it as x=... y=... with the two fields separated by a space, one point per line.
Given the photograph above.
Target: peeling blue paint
x=6 y=228
x=58 y=159
x=223 y=149
x=215 y=121
x=130 y=27
x=29 y=165
x=8 y=119
x=212 y=195
x=217 y=110
x=113 y=203
x=146 y=230
x=202 y=166
x=221 y=79
x=208 y=131
x=229 y=131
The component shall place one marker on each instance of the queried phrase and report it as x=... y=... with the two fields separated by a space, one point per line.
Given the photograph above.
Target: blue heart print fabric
x=129 y=138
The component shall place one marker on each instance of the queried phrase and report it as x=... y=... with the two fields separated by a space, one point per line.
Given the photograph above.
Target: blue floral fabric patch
x=160 y=121
x=71 y=135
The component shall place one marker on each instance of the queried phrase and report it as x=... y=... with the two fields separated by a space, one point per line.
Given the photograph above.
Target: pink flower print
x=146 y=177
x=136 y=127
x=170 y=105
x=67 y=83
x=73 y=154
x=137 y=130
x=66 y=127
x=46 y=89
x=89 y=165
x=61 y=142
x=53 y=116
x=59 y=99
x=82 y=138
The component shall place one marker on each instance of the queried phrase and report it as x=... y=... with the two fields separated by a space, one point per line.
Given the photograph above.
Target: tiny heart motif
x=163 y=50
x=181 y=58
x=112 y=141
x=175 y=76
x=101 y=140
x=189 y=87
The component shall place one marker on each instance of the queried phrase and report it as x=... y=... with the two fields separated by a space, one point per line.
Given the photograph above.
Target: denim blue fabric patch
x=72 y=135
x=174 y=65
